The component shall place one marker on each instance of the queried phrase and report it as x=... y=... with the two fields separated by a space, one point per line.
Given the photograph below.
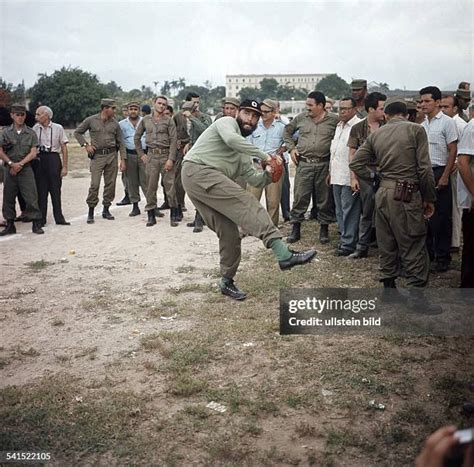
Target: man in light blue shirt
x=268 y=136
x=136 y=176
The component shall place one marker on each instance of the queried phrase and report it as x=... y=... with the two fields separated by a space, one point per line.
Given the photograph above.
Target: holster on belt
x=404 y=191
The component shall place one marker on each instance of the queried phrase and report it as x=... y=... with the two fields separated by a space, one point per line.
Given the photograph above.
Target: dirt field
x=115 y=340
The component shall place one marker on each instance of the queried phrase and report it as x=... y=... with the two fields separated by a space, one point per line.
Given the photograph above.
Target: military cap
x=18 y=108
x=232 y=101
x=133 y=104
x=270 y=103
x=358 y=83
x=411 y=105
x=394 y=100
x=188 y=105
x=464 y=94
x=107 y=102
x=251 y=104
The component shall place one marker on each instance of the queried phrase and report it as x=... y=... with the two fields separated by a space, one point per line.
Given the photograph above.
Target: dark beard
x=243 y=130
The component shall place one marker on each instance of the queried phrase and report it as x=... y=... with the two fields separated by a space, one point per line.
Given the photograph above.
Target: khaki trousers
x=106 y=165
x=154 y=168
x=224 y=206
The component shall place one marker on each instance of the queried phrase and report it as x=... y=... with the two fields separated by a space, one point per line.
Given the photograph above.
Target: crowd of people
x=389 y=172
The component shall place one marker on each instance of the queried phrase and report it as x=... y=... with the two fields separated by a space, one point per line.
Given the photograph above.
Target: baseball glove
x=274 y=167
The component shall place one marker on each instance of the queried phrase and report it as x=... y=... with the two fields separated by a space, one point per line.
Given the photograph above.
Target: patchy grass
x=37 y=266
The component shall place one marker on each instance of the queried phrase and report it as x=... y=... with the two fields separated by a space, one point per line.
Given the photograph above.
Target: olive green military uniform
x=106 y=137
x=210 y=169
x=400 y=150
x=183 y=139
x=16 y=146
x=313 y=145
x=161 y=142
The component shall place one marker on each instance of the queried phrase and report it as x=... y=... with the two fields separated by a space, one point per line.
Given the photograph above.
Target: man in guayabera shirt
x=105 y=138
x=374 y=105
x=442 y=139
x=159 y=160
x=400 y=152
x=310 y=154
x=219 y=157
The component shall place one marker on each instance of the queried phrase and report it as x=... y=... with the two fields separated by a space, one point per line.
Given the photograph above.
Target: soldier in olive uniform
x=18 y=147
x=310 y=154
x=406 y=195
x=160 y=159
x=106 y=137
x=359 y=94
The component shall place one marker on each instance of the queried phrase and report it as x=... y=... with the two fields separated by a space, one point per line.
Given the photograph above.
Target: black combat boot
x=198 y=223
x=106 y=214
x=324 y=234
x=135 y=210
x=125 y=200
x=179 y=213
x=9 y=229
x=151 y=218
x=36 y=227
x=295 y=234
x=90 y=216
x=173 y=219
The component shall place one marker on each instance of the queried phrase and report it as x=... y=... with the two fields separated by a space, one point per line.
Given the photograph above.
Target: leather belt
x=393 y=184
x=104 y=152
x=158 y=150
x=131 y=151
x=313 y=160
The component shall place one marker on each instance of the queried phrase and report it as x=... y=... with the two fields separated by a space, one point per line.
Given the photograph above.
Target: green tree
x=334 y=86
x=73 y=94
x=249 y=93
x=268 y=88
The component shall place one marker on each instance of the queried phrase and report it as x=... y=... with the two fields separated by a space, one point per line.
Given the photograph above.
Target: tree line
x=74 y=94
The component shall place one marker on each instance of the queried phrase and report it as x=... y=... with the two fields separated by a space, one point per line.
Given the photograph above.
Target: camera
x=44 y=148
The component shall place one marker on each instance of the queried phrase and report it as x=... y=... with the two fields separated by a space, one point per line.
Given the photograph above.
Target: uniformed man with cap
x=160 y=158
x=105 y=139
x=18 y=147
x=230 y=108
x=464 y=99
x=210 y=169
x=406 y=195
x=359 y=93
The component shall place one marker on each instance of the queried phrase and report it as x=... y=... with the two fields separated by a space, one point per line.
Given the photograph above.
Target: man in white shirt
x=347 y=202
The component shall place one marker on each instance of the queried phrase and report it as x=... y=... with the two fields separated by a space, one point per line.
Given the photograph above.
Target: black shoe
x=232 y=291
x=135 y=211
x=297 y=258
x=151 y=218
x=389 y=283
x=9 y=229
x=178 y=214
x=63 y=222
x=324 y=234
x=343 y=252
x=358 y=254
x=22 y=218
x=90 y=216
x=125 y=201
x=173 y=219
x=295 y=234
x=36 y=227
x=191 y=224
x=198 y=223
x=106 y=214
x=164 y=206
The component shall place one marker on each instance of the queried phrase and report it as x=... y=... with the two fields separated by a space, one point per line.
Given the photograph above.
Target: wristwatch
x=10 y=163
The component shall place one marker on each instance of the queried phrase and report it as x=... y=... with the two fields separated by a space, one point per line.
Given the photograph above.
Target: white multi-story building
x=234 y=83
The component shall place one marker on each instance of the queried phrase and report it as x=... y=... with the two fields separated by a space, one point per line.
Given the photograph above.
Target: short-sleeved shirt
x=466 y=148
x=17 y=145
x=269 y=139
x=314 y=138
x=51 y=136
x=128 y=131
x=441 y=131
